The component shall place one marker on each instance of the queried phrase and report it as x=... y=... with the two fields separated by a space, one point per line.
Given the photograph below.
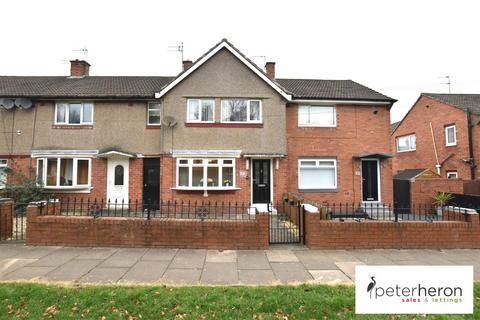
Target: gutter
x=471 y=161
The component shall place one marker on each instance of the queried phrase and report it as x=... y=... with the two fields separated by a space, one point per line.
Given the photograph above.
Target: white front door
x=117 y=180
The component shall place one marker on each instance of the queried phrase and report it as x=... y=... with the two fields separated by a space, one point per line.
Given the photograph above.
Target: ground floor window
x=64 y=173
x=195 y=173
x=3 y=173
x=317 y=174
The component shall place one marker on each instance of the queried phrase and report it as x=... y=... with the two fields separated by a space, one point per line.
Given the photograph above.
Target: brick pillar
x=312 y=220
x=6 y=218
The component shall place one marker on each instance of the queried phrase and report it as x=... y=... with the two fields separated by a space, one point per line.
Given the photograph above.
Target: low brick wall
x=6 y=218
x=350 y=234
x=137 y=232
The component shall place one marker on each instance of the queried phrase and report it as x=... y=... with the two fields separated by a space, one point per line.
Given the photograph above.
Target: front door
x=151 y=182
x=370 y=184
x=117 y=181
x=261 y=181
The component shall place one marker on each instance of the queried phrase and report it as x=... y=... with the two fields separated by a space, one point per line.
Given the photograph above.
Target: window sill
x=224 y=125
x=451 y=145
x=406 y=151
x=207 y=189
x=68 y=190
x=72 y=126
x=314 y=126
x=153 y=126
x=317 y=190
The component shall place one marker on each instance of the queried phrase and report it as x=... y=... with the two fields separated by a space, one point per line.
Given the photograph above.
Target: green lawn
x=35 y=301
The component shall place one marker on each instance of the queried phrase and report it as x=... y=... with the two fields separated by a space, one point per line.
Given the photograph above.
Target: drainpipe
x=471 y=161
x=437 y=165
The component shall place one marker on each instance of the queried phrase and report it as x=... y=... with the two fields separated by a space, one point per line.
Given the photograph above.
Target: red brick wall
x=360 y=129
x=6 y=219
x=423 y=190
x=331 y=234
x=418 y=122
x=132 y=232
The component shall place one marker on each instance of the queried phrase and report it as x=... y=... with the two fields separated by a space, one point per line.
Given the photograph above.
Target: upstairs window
x=240 y=110
x=3 y=173
x=450 y=136
x=407 y=143
x=64 y=173
x=317 y=116
x=153 y=114
x=452 y=174
x=200 y=110
x=74 y=113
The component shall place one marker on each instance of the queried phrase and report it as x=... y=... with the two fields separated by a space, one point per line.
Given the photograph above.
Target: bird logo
x=371 y=285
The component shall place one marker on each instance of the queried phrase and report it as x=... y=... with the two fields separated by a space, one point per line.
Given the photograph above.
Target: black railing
x=166 y=209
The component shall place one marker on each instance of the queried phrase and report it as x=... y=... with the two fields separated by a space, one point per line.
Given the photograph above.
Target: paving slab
x=104 y=275
x=28 y=273
x=72 y=270
x=330 y=277
x=97 y=253
x=257 y=277
x=124 y=258
x=340 y=255
x=219 y=273
x=281 y=256
x=252 y=260
x=348 y=267
x=56 y=258
x=35 y=252
x=372 y=257
x=315 y=260
x=9 y=251
x=189 y=259
x=290 y=272
x=159 y=254
x=11 y=264
x=182 y=276
x=221 y=256
x=145 y=272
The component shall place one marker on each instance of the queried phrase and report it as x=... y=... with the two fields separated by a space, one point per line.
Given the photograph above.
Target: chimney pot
x=79 y=68
x=270 y=69
x=187 y=64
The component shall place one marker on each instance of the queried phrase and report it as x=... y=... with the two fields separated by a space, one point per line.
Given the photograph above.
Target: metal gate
x=13 y=221
x=287 y=223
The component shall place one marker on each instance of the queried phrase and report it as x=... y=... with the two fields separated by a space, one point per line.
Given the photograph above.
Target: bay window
x=317 y=116
x=200 y=110
x=74 y=113
x=317 y=174
x=239 y=110
x=64 y=173
x=201 y=174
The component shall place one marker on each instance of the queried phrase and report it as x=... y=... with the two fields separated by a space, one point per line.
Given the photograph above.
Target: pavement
x=176 y=267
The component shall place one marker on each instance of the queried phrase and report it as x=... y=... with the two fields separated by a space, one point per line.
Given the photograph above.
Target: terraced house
x=222 y=130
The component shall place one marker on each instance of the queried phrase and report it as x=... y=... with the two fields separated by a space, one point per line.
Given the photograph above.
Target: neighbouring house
x=440 y=132
x=222 y=130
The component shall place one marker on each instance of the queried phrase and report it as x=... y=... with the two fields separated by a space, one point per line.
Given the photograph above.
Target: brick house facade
x=439 y=124
x=222 y=130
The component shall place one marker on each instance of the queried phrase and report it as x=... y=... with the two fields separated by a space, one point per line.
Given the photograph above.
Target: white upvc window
x=317 y=116
x=153 y=114
x=407 y=143
x=450 y=136
x=3 y=172
x=74 y=113
x=64 y=173
x=317 y=174
x=452 y=174
x=205 y=174
x=201 y=110
x=241 y=111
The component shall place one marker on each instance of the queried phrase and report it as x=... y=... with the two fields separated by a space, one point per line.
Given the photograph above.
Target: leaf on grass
x=9 y=309
x=50 y=311
x=179 y=317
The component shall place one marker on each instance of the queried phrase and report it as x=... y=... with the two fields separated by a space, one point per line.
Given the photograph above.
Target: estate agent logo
x=414 y=289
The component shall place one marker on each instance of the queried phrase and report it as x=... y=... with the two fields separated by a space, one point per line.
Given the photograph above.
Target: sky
x=399 y=48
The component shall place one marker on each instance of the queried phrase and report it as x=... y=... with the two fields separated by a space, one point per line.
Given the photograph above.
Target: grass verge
x=37 y=301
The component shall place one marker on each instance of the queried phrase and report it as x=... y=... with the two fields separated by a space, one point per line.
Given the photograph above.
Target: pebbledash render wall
x=425 y=111
x=360 y=129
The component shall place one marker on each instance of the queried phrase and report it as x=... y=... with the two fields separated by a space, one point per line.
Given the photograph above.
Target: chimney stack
x=187 y=64
x=79 y=68
x=270 y=69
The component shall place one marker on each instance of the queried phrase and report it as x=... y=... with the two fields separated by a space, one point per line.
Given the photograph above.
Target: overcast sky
x=400 y=48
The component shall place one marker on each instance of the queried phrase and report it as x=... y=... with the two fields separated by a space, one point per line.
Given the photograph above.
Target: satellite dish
x=169 y=121
x=23 y=103
x=7 y=104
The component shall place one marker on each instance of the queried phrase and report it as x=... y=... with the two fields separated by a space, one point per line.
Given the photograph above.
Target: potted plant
x=227 y=182
x=441 y=199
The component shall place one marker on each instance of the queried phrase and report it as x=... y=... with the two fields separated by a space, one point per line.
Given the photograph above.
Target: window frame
x=4 y=165
x=200 y=111
x=260 y=120
x=148 y=113
x=454 y=143
x=410 y=147
x=67 y=111
x=57 y=185
x=452 y=172
x=300 y=125
x=334 y=187
x=205 y=165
